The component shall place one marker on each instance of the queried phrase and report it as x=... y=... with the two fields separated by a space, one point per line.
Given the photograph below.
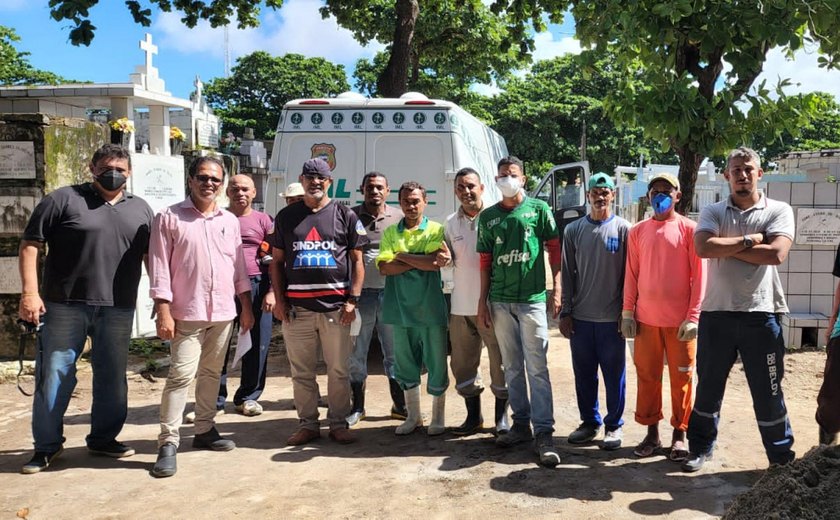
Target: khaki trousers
x=466 y=336
x=197 y=352
x=302 y=335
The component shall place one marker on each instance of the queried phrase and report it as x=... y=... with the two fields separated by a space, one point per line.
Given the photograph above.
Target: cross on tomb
x=150 y=49
x=198 y=84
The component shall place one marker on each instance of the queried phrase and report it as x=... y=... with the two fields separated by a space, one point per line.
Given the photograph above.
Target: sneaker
x=612 y=440
x=517 y=435
x=695 y=461
x=584 y=433
x=249 y=408
x=544 y=445
x=211 y=440
x=40 y=461
x=354 y=418
x=114 y=449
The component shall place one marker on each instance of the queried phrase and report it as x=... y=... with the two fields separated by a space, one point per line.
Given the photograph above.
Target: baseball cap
x=601 y=180
x=294 y=189
x=316 y=166
x=667 y=177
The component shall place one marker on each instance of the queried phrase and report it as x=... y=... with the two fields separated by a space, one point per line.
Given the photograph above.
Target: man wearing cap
x=293 y=193
x=97 y=235
x=255 y=228
x=196 y=269
x=663 y=288
x=594 y=254
x=376 y=215
x=513 y=236
x=317 y=275
x=745 y=237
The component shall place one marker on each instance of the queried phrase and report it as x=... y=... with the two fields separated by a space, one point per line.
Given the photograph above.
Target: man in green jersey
x=513 y=236
x=410 y=256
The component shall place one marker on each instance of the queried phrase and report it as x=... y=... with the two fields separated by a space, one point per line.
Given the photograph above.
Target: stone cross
x=150 y=49
x=198 y=84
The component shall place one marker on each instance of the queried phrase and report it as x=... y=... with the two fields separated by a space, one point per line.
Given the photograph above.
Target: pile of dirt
x=806 y=489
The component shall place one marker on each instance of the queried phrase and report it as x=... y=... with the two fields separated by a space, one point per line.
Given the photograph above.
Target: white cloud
x=803 y=72
x=547 y=47
x=14 y=5
x=485 y=90
x=296 y=28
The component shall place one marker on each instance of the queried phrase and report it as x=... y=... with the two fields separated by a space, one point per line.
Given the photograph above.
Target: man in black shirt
x=97 y=236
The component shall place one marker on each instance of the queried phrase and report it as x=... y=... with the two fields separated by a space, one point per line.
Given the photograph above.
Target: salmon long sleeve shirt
x=664 y=280
x=196 y=262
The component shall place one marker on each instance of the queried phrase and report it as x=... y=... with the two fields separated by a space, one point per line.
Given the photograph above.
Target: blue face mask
x=662 y=203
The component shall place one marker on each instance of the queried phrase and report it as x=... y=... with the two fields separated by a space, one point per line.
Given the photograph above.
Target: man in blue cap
x=594 y=253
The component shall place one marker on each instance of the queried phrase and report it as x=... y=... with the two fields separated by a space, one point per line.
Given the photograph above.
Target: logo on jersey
x=499 y=241
x=514 y=257
x=326 y=152
x=360 y=228
x=612 y=244
x=314 y=252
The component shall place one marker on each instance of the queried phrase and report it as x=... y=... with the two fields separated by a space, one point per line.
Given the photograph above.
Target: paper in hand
x=243 y=345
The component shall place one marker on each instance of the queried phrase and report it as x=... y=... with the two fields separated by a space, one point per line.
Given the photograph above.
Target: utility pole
x=227 y=53
x=583 y=142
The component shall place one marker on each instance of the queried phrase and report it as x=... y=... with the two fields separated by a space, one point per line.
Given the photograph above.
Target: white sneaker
x=612 y=440
x=249 y=408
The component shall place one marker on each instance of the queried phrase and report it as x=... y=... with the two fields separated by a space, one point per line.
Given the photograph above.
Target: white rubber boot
x=414 y=419
x=438 y=412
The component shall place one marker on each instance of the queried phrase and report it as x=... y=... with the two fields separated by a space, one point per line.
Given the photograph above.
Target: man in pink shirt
x=196 y=269
x=663 y=289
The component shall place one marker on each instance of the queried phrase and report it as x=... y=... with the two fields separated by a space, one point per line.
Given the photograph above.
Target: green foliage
x=542 y=116
x=217 y=12
x=149 y=350
x=452 y=43
x=260 y=84
x=821 y=132
x=674 y=52
x=15 y=68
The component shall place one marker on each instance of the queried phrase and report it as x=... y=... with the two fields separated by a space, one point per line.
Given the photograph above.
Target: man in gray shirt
x=744 y=237
x=594 y=253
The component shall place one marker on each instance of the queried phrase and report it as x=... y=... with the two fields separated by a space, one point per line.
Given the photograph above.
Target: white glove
x=688 y=331
x=628 y=325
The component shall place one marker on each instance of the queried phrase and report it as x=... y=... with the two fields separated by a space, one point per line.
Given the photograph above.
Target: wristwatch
x=352 y=299
x=748 y=242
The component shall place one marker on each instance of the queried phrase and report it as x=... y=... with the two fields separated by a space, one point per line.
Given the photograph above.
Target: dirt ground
x=384 y=476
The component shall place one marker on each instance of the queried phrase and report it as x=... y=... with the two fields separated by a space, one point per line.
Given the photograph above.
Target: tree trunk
x=394 y=79
x=689 y=166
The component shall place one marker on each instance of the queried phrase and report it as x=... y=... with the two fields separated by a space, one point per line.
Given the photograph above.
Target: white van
x=412 y=138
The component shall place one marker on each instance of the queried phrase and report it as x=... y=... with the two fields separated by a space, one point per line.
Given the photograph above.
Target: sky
x=297 y=27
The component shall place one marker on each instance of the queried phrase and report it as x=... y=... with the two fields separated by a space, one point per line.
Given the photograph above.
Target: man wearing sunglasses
x=197 y=267
x=317 y=275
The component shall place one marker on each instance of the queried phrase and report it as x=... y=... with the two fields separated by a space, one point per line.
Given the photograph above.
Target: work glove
x=688 y=331
x=628 y=325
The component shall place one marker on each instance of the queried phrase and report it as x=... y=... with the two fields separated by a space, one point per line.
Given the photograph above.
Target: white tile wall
x=822 y=261
x=821 y=304
x=799 y=283
x=779 y=191
x=825 y=194
x=799 y=303
x=799 y=262
x=783 y=277
x=822 y=284
x=802 y=194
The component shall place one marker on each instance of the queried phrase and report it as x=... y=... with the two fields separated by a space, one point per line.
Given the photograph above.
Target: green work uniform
x=414 y=304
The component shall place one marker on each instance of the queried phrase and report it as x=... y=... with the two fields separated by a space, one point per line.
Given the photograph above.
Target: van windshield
x=566 y=188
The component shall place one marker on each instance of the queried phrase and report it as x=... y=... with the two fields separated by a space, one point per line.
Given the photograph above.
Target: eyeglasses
x=312 y=177
x=207 y=178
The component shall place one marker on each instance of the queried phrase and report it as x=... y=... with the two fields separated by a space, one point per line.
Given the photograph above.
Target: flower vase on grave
x=120 y=138
x=176 y=145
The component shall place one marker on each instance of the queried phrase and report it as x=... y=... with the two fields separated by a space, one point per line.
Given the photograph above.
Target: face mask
x=111 y=180
x=509 y=186
x=662 y=203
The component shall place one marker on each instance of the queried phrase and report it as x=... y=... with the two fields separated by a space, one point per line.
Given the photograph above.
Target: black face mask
x=111 y=180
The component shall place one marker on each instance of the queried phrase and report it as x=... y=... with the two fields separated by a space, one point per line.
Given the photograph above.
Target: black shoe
x=211 y=440
x=828 y=439
x=166 y=465
x=398 y=411
x=474 y=422
x=517 y=435
x=40 y=461
x=584 y=433
x=114 y=449
x=695 y=461
x=544 y=446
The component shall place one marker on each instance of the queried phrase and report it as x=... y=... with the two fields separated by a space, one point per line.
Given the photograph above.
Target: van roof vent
x=354 y=96
x=414 y=96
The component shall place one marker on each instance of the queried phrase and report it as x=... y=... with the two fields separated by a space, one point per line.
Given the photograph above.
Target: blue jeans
x=757 y=337
x=252 y=381
x=60 y=343
x=522 y=331
x=370 y=309
x=597 y=345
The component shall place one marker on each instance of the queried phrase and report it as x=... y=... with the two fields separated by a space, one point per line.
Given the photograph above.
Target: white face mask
x=509 y=186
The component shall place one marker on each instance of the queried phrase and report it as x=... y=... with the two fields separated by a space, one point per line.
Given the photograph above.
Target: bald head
x=241 y=192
